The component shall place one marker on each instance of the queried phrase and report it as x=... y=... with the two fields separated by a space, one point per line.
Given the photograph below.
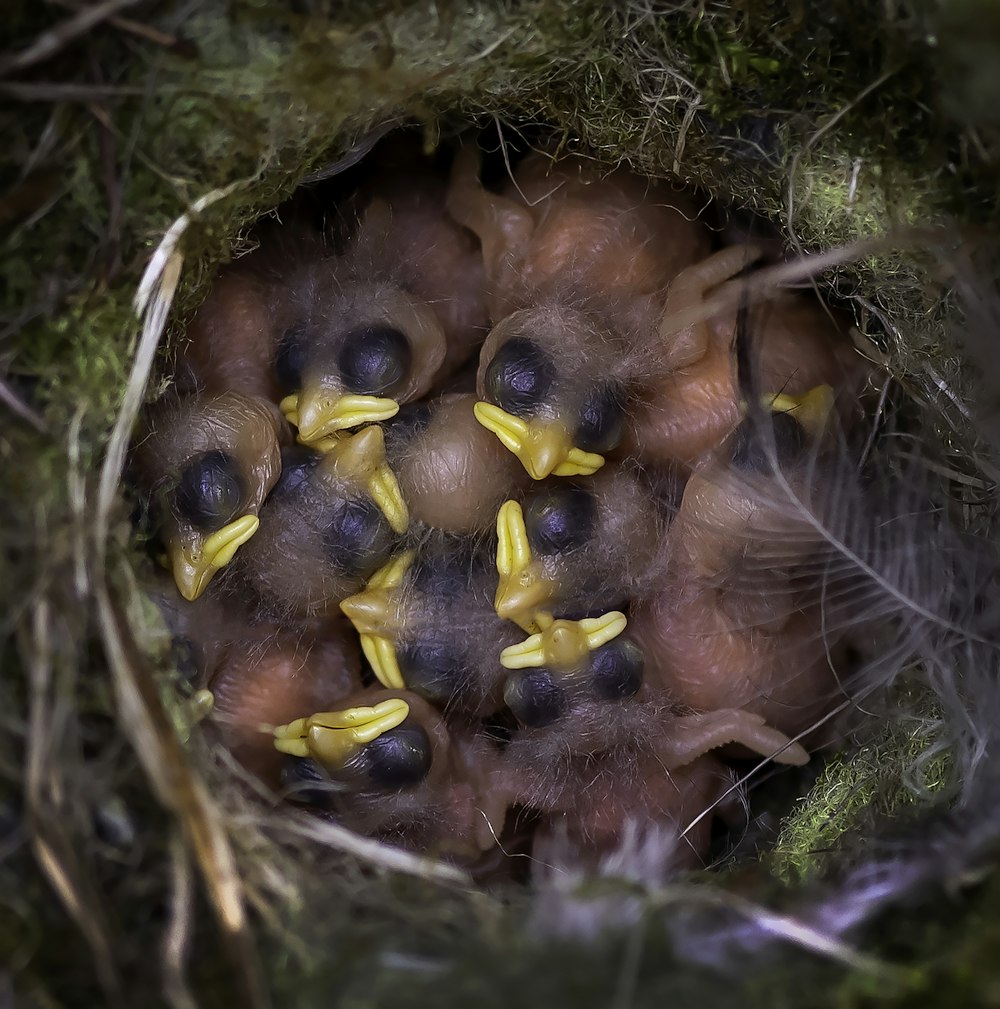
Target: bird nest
x=143 y=148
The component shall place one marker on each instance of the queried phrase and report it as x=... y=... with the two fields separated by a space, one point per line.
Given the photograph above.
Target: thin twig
x=48 y=43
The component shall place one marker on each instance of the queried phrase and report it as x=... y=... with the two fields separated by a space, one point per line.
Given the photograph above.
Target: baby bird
x=742 y=620
x=399 y=304
x=266 y=679
x=230 y=342
x=570 y=663
x=577 y=262
x=329 y=523
x=690 y=400
x=566 y=675
x=427 y=624
x=452 y=472
x=206 y=464
x=568 y=224
x=384 y=763
x=597 y=752
x=639 y=797
x=572 y=548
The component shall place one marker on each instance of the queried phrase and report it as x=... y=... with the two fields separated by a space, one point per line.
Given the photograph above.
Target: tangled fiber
x=141 y=141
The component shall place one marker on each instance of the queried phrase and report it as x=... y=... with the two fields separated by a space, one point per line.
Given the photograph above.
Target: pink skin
x=732 y=629
x=695 y=402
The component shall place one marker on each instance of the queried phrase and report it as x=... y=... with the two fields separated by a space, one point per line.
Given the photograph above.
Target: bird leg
x=502 y=226
x=684 y=324
x=692 y=736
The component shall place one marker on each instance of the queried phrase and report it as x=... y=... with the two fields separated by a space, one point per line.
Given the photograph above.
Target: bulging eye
x=374 y=359
x=435 y=669
x=399 y=759
x=358 y=538
x=305 y=781
x=210 y=491
x=297 y=463
x=534 y=697
x=290 y=358
x=560 y=519
x=752 y=446
x=616 y=669
x=520 y=376
x=602 y=420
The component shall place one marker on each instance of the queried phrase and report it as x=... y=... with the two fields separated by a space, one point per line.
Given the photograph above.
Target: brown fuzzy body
x=262 y=684
x=453 y=473
x=741 y=621
x=796 y=345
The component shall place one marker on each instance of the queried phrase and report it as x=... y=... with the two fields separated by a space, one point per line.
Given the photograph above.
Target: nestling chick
x=231 y=341
x=384 y=763
x=329 y=523
x=452 y=472
x=692 y=402
x=566 y=675
x=573 y=548
x=206 y=463
x=680 y=806
x=569 y=225
x=399 y=303
x=597 y=752
x=742 y=621
x=577 y=263
x=427 y=625
x=261 y=682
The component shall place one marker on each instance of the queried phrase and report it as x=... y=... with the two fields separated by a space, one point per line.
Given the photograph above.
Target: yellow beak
x=812 y=409
x=564 y=644
x=375 y=616
x=333 y=737
x=543 y=447
x=194 y=563
x=361 y=458
x=319 y=413
x=522 y=588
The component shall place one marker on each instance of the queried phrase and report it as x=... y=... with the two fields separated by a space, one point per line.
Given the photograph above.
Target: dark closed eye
x=358 y=538
x=211 y=491
x=560 y=519
x=435 y=669
x=399 y=759
x=534 y=697
x=451 y=572
x=290 y=358
x=305 y=781
x=374 y=359
x=520 y=376
x=602 y=420
x=616 y=669
x=752 y=446
x=297 y=463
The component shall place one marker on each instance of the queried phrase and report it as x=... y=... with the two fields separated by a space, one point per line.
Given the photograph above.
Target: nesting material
x=554 y=497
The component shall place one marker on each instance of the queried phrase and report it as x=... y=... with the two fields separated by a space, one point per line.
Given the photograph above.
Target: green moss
x=839 y=121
